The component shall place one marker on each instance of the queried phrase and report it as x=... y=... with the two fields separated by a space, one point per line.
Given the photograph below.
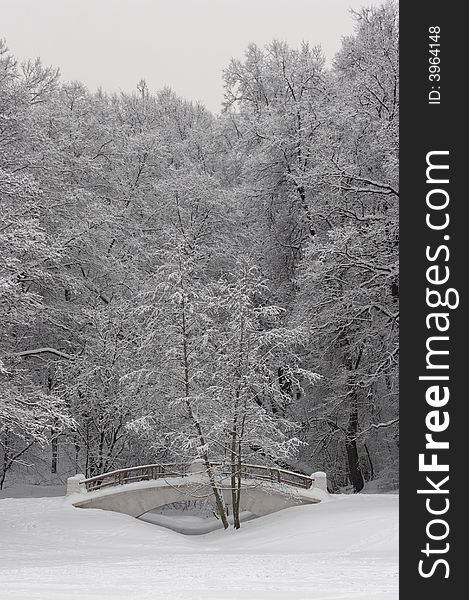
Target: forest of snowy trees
x=176 y=284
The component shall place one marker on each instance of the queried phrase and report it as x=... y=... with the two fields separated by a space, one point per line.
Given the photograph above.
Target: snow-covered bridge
x=137 y=490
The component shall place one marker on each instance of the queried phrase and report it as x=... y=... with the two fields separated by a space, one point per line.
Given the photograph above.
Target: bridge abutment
x=73 y=485
x=320 y=480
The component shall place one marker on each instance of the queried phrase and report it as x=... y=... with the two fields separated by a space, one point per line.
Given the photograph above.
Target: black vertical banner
x=433 y=299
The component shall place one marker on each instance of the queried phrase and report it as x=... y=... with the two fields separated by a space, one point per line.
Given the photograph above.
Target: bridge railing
x=133 y=474
x=158 y=471
x=276 y=475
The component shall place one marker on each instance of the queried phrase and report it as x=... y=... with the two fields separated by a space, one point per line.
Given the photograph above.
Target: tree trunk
x=55 y=451
x=221 y=509
x=236 y=515
x=187 y=388
x=10 y=457
x=77 y=455
x=239 y=418
x=5 y=465
x=235 y=478
x=372 y=470
x=53 y=431
x=353 y=460
x=235 y=464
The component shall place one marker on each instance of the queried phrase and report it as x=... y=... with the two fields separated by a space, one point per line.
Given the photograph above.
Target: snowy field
x=345 y=549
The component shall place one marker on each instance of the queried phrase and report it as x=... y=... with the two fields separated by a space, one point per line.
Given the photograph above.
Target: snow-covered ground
x=345 y=549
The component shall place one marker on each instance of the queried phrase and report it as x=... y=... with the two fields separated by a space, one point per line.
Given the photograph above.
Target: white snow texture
x=345 y=549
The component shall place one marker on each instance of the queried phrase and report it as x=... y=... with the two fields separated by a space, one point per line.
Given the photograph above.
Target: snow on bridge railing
x=164 y=470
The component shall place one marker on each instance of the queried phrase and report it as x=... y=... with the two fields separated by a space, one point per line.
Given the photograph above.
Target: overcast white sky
x=184 y=44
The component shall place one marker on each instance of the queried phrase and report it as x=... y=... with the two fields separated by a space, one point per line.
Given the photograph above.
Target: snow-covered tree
x=171 y=280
